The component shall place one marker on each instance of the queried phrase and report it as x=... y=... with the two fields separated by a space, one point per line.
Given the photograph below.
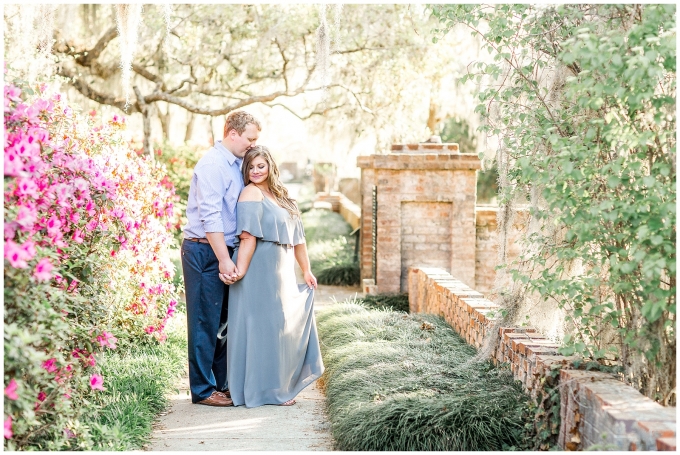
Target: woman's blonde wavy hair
x=275 y=186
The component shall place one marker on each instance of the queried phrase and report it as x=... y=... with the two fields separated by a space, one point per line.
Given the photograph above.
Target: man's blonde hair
x=238 y=120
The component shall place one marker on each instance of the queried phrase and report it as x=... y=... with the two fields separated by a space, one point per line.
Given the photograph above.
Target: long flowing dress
x=272 y=343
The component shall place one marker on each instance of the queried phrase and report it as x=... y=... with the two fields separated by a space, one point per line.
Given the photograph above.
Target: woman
x=272 y=344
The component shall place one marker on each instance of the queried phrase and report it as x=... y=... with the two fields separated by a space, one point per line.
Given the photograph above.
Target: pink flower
x=77 y=236
x=15 y=255
x=107 y=339
x=26 y=216
x=54 y=229
x=50 y=365
x=13 y=164
x=11 y=390
x=69 y=434
x=90 y=208
x=8 y=427
x=73 y=286
x=149 y=329
x=29 y=249
x=10 y=229
x=27 y=187
x=96 y=382
x=42 y=395
x=43 y=271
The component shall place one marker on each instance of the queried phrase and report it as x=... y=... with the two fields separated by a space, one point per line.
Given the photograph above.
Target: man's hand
x=228 y=272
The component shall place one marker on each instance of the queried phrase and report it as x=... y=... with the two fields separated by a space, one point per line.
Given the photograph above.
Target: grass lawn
x=396 y=382
x=137 y=380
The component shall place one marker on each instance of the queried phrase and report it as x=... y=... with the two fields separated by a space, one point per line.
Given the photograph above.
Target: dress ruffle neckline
x=272 y=224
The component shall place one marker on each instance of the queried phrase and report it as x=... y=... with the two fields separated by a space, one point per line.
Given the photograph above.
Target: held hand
x=228 y=271
x=229 y=280
x=310 y=279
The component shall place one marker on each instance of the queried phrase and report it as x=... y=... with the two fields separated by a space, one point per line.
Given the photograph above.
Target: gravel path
x=186 y=426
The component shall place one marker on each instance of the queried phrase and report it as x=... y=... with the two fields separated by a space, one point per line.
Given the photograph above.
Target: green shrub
x=86 y=264
x=321 y=224
x=407 y=382
x=347 y=274
x=331 y=248
x=178 y=163
x=138 y=381
x=396 y=302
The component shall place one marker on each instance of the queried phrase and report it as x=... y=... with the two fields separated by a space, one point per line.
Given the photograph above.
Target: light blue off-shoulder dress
x=272 y=343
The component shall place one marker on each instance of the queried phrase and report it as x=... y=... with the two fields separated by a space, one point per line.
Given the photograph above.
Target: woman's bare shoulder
x=250 y=193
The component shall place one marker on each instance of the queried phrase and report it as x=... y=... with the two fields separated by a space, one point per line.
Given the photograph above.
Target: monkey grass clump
x=408 y=382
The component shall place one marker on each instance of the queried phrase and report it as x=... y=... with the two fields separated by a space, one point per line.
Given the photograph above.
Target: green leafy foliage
x=178 y=163
x=395 y=302
x=346 y=274
x=330 y=248
x=138 y=389
x=582 y=98
x=86 y=230
x=458 y=130
x=400 y=382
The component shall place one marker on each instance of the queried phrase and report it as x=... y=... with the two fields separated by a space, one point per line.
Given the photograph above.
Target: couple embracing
x=240 y=245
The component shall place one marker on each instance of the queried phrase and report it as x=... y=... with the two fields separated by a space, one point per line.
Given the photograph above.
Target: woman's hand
x=310 y=279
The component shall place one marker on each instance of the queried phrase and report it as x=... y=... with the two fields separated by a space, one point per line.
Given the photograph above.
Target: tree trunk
x=190 y=127
x=165 y=121
x=144 y=109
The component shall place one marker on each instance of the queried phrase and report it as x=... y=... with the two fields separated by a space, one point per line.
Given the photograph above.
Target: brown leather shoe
x=217 y=399
x=226 y=393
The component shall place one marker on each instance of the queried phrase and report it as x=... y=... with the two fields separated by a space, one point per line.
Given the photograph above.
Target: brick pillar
x=426 y=212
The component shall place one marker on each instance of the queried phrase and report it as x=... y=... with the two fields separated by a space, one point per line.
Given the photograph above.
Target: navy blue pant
x=207 y=306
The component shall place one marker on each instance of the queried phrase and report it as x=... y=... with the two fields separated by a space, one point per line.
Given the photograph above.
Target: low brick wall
x=350 y=211
x=596 y=408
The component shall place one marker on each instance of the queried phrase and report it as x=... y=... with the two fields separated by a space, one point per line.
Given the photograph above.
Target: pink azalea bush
x=86 y=234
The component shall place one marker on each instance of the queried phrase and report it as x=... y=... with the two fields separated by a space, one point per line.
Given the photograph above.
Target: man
x=206 y=256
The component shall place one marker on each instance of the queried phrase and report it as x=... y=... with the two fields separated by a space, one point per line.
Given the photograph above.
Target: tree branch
x=311 y=114
x=86 y=90
x=93 y=54
x=149 y=75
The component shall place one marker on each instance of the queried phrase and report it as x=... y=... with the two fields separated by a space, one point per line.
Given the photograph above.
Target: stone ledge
x=597 y=404
x=341 y=204
x=424 y=147
x=421 y=161
x=593 y=404
x=666 y=444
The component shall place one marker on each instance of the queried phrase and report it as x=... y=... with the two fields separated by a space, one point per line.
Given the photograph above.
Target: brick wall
x=486 y=248
x=418 y=179
x=596 y=409
x=342 y=205
x=425 y=236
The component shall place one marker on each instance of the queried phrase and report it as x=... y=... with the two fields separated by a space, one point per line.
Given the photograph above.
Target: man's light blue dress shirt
x=215 y=187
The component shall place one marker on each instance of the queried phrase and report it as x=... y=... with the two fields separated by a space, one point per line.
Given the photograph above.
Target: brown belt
x=197 y=240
